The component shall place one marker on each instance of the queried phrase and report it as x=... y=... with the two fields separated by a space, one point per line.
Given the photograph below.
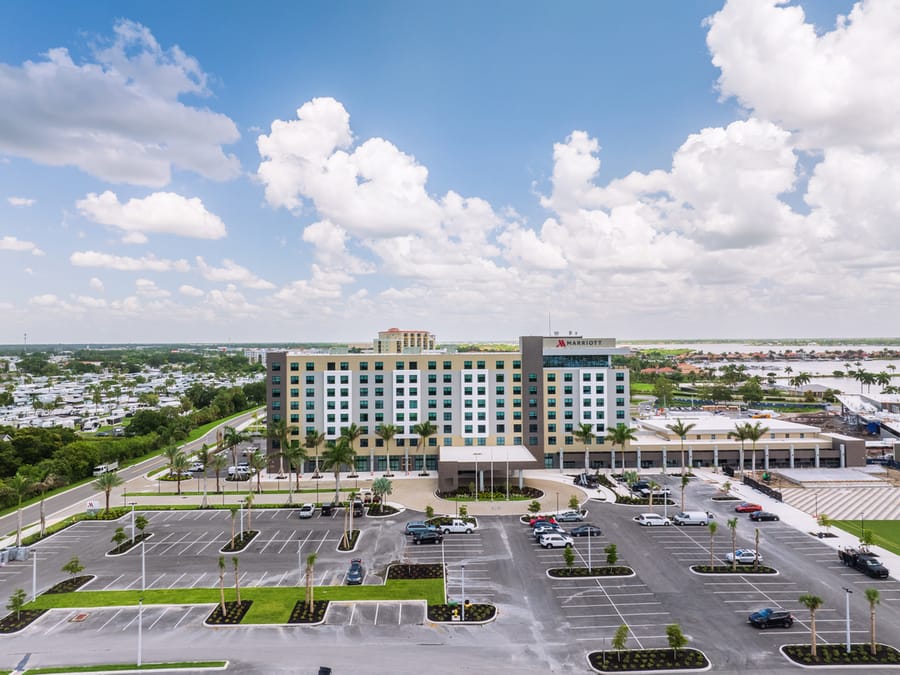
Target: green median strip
x=270 y=605
x=180 y=665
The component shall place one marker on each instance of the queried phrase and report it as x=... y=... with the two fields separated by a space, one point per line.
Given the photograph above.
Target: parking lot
x=504 y=565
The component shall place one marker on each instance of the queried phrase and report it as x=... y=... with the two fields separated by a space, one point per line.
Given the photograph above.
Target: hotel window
x=447 y=365
x=532 y=403
x=499 y=391
x=551 y=440
x=379 y=365
x=480 y=365
x=330 y=379
x=295 y=405
x=620 y=388
x=432 y=391
x=517 y=391
x=276 y=405
x=448 y=391
x=330 y=405
x=467 y=391
x=499 y=365
x=586 y=389
x=363 y=365
x=587 y=414
x=501 y=440
x=569 y=440
x=379 y=417
x=567 y=377
x=482 y=391
x=532 y=390
x=467 y=365
x=310 y=419
x=400 y=365
x=295 y=379
x=432 y=365
x=517 y=365
x=567 y=402
x=432 y=378
x=568 y=428
x=345 y=365
x=310 y=405
x=448 y=441
x=276 y=366
x=345 y=392
x=363 y=405
x=586 y=402
x=363 y=417
x=400 y=417
x=295 y=366
x=517 y=403
x=500 y=402
x=310 y=366
x=532 y=414
x=500 y=415
x=567 y=389
x=620 y=414
x=551 y=428
x=568 y=415
x=620 y=401
x=551 y=402
x=379 y=404
x=398 y=379
x=329 y=392
x=379 y=391
x=598 y=389
x=532 y=377
x=379 y=379
x=517 y=414
x=467 y=403
x=330 y=365
x=482 y=404
x=345 y=418
x=517 y=377
x=585 y=377
x=499 y=377
x=295 y=392
x=364 y=379
x=482 y=428
x=276 y=379
x=310 y=393
x=482 y=377
x=551 y=414
x=400 y=391
x=551 y=390
x=345 y=379
x=448 y=403
x=432 y=417
x=467 y=377
x=364 y=391
x=598 y=377
x=276 y=393
x=467 y=428
x=620 y=376
x=468 y=417
x=448 y=416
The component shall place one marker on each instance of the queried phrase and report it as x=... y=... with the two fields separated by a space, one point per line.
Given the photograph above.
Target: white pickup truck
x=458 y=526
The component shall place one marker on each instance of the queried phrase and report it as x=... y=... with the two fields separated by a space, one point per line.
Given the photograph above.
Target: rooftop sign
x=575 y=342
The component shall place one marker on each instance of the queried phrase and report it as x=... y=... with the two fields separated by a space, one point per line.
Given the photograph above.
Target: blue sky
x=640 y=169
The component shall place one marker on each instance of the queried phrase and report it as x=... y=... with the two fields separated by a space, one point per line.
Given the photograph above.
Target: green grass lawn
x=886 y=532
x=180 y=665
x=270 y=605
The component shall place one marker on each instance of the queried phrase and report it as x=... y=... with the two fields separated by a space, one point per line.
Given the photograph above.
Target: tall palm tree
x=585 y=434
x=337 y=454
x=742 y=433
x=424 y=430
x=296 y=455
x=754 y=433
x=681 y=430
x=105 y=482
x=386 y=432
x=233 y=438
x=732 y=525
x=170 y=453
x=310 y=576
x=351 y=433
x=874 y=598
x=234 y=512
x=620 y=435
x=799 y=380
x=313 y=440
x=812 y=603
x=713 y=527
x=19 y=486
x=218 y=463
x=249 y=502
x=279 y=431
x=258 y=462
x=180 y=465
x=685 y=479
x=222 y=582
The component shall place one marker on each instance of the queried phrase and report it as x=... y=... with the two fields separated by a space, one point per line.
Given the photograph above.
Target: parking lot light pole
x=463 y=592
x=132 y=520
x=847 y=593
x=475 y=455
x=140 y=630
x=241 y=509
x=143 y=568
x=33 y=574
x=590 y=566
x=492 y=474
x=507 y=473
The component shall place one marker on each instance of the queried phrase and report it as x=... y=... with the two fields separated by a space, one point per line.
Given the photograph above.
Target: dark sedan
x=428 y=537
x=771 y=617
x=763 y=515
x=356 y=573
x=585 y=531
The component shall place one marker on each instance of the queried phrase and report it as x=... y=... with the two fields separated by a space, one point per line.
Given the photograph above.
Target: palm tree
x=179 y=467
x=425 y=430
x=170 y=453
x=237 y=580
x=310 y=576
x=621 y=435
x=218 y=463
x=882 y=379
x=741 y=433
x=799 y=380
x=204 y=457
x=585 y=434
x=874 y=598
x=732 y=525
x=754 y=433
x=351 y=433
x=337 y=454
x=19 y=486
x=386 y=432
x=249 y=502
x=654 y=486
x=812 y=603
x=234 y=512
x=258 y=463
x=681 y=430
x=233 y=438
x=222 y=582
x=685 y=479
x=279 y=431
x=105 y=482
x=313 y=440
x=296 y=455
x=713 y=527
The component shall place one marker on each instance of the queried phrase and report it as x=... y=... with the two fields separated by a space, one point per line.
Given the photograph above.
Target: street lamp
x=847 y=593
x=492 y=473
x=241 y=509
x=463 y=592
x=132 y=520
x=143 y=567
x=140 y=629
x=507 y=473
x=862 y=525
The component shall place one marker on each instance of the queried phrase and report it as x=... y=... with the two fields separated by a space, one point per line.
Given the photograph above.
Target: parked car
x=356 y=573
x=428 y=537
x=744 y=556
x=541 y=530
x=196 y=466
x=307 y=511
x=419 y=526
x=539 y=519
x=763 y=515
x=864 y=561
x=651 y=519
x=747 y=507
x=570 y=517
x=585 y=531
x=458 y=526
x=771 y=617
x=556 y=540
x=640 y=485
x=691 y=518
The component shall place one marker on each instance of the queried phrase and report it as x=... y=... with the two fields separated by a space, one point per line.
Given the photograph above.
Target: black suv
x=428 y=537
x=771 y=617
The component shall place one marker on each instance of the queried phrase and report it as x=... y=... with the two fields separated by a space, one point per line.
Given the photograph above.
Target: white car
x=556 y=540
x=196 y=466
x=744 y=556
x=651 y=519
x=307 y=511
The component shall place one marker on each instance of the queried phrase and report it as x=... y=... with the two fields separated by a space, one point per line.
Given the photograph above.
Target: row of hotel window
x=397 y=365
x=448 y=403
x=481 y=378
x=448 y=441
x=500 y=390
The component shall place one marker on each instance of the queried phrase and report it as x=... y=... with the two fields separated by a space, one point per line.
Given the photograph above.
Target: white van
x=691 y=518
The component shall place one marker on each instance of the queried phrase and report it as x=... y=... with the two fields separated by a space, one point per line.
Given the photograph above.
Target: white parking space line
x=111 y=583
x=174 y=543
x=136 y=580
x=202 y=574
x=109 y=619
x=60 y=622
x=210 y=542
x=133 y=619
x=194 y=542
x=322 y=543
x=151 y=584
x=277 y=532
x=174 y=583
x=281 y=579
x=189 y=610
x=161 y=615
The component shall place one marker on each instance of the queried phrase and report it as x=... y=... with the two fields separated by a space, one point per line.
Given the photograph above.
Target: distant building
x=396 y=341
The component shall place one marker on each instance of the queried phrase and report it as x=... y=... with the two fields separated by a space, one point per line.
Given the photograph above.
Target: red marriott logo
x=560 y=343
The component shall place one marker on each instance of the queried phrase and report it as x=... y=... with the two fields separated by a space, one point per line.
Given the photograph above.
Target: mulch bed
x=823 y=535
x=570 y=572
x=239 y=543
x=648 y=659
x=642 y=501
x=473 y=612
x=464 y=493
x=354 y=537
x=9 y=623
x=740 y=569
x=69 y=585
x=130 y=544
x=411 y=571
x=835 y=655
x=301 y=613
x=234 y=613
x=382 y=510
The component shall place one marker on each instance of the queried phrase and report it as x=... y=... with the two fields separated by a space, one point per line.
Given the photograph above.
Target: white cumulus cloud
x=159 y=213
x=126 y=263
x=14 y=244
x=20 y=201
x=231 y=271
x=190 y=291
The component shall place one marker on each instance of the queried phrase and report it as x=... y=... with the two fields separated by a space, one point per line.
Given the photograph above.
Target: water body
x=823 y=369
